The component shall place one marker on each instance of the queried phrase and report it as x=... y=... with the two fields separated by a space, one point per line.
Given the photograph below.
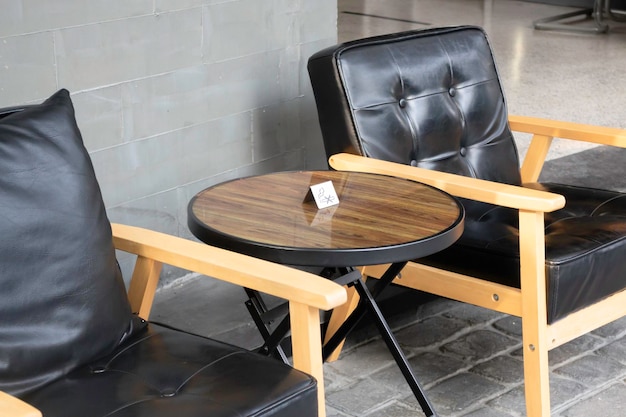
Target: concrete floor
x=468 y=358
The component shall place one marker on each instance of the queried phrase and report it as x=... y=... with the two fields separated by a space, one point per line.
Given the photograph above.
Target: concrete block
x=27 y=68
x=220 y=145
x=140 y=168
x=317 y=20
x=167 y=102
x=199 y=94
x=99 y=117
x=288 y=161
x=135 y=170
x=291 y=64
x=243 y=27
x=116 y=51
x=274 y=130
x=157 y=212
x=170 y=5
x=245 y=83
x=20 y=17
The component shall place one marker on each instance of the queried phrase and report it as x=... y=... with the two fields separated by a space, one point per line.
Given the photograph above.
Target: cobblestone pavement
x=467 y=358
x=469 y=361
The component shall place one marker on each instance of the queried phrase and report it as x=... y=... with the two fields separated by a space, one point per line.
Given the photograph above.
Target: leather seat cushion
x=585 y=247
x=164 y=372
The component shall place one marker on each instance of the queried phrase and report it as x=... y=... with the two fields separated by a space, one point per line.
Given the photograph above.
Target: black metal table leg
x=361 y=309
x=273 y=340
x=394 y=348
x=259 y=312
x=367 y=303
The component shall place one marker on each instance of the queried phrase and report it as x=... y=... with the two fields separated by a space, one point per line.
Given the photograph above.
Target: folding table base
x=263 y=318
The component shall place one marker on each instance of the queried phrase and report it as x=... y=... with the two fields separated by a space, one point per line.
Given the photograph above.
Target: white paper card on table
x=324 y=194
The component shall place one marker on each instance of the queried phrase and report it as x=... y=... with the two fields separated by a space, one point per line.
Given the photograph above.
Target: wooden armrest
x=307 y=293
x=14 y=407
x=486 y=191
x=567 y=130
x=278 y=280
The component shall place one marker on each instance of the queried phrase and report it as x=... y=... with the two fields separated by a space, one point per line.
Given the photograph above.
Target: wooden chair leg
x=306 y=347
x=534 y=315
x=143 y=285
x=338 y=316
x=536 y=378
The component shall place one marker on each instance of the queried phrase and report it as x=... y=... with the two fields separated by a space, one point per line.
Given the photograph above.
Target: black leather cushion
x=63 y=301
x=585 y=248
x=374 y=100
x=165 y=373
x=433 y=99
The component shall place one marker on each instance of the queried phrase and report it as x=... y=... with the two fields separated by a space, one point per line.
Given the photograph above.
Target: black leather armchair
x=428 y=105
x=72 y=344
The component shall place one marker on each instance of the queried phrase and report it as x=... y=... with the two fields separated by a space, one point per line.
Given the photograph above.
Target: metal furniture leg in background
x=565 y=21
x=618 y=14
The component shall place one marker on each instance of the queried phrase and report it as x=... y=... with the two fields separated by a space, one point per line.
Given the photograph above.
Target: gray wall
x=173 y=95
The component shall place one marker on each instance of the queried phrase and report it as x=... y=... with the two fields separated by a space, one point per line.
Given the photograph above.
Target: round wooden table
x=379 y=220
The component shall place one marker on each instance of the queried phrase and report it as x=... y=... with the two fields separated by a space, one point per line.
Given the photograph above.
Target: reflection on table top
x=375 y=214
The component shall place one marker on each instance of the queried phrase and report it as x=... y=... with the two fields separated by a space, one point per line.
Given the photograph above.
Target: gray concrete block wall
x=173 y=95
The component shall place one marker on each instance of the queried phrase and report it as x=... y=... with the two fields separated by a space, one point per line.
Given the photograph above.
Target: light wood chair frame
x=529 y=301
x=307 y=293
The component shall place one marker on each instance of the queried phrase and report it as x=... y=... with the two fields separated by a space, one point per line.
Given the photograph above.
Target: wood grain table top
x=379 y=219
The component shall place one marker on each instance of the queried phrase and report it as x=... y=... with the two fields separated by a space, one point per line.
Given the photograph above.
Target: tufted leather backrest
x=427 y=98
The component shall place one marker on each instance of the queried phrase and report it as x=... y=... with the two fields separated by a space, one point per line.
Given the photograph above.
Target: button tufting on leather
x=452 y=91
x=402 y=103
x=413 y=163
x=463 y=151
